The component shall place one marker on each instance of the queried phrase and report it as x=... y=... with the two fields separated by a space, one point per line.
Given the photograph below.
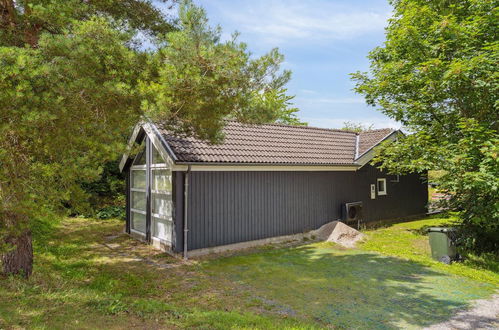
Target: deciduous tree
x=437 y=73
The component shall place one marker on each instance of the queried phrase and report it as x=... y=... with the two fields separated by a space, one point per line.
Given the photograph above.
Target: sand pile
x=339 y=233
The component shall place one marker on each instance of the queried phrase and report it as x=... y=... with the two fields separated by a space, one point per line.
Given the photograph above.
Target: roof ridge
x=295 y=126
x=379 y=129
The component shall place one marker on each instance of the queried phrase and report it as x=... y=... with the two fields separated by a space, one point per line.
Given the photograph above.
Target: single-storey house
x=261 y=182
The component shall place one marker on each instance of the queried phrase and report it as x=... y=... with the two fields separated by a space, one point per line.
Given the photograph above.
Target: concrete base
x=250 y=244
x=311 y=235
x=225 y=248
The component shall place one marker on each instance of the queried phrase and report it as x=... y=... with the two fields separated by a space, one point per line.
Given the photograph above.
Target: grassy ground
x=408 y=240
x=79 y=282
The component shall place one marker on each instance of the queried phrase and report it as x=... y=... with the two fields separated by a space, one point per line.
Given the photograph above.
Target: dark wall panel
x=232 y=207
x=178 y=210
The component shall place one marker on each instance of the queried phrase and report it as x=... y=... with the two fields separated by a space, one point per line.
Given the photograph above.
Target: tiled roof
x=274 y=144
x=368 y=139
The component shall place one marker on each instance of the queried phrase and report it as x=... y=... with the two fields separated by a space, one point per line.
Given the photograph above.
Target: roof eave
x=156 y=138
x=367 y=155
x=263 y=164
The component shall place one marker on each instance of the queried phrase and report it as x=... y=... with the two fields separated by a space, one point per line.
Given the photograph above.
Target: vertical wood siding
x=231 y=207
x=178 y=210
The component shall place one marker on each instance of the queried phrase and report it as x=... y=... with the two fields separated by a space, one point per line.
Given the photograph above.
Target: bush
x=472 y=181
x=111 y=212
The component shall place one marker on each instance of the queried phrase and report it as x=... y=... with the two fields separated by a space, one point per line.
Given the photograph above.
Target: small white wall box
x=373 y=191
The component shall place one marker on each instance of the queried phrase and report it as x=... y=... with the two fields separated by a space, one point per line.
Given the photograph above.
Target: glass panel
x=161 y=180
x=156 y=156
x=140 y=159
x=162 y=229
x=381 y=185
x=139 y=179
x=162 y=204
x=139 y=200
x=138 y=222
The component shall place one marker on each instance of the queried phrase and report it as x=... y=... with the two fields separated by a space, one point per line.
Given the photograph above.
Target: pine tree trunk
x=20 y=259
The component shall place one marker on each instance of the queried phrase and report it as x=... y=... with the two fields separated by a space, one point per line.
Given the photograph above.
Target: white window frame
x=148 y=168
x=161 y=166
x=132 y=210
x=381 y=192
x=135 y=230
x=141 y=234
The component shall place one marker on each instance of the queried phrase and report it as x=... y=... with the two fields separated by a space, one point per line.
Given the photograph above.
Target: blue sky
x=323 y=41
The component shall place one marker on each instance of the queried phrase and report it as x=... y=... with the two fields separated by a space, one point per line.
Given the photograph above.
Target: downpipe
x=186 y=208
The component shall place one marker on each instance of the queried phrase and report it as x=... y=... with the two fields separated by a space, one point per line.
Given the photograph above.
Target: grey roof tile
x=370 y=138
x=275 y=144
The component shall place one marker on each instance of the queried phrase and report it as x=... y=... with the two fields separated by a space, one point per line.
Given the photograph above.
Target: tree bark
x=19 y=261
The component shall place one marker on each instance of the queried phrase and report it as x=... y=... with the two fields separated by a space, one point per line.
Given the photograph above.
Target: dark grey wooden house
x=263 y=181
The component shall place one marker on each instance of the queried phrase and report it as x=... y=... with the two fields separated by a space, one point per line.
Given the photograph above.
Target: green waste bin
x=442 y=243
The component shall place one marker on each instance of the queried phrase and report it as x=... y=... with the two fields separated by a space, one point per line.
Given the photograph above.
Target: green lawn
x=407 y=241
x=80 y=283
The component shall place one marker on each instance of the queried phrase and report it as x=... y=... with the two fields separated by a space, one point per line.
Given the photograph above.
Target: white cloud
x=282 y=21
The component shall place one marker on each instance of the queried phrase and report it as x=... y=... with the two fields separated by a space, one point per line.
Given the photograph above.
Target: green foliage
x=73 y=82
x=63 y=108
x=111 y=212
x=22 y=22
x=356 y=127
x=472 y=177
x=198 y=80
x=105 y=195
x=437 y=73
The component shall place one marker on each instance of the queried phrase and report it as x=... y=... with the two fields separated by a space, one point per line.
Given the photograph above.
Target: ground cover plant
x=89 y=274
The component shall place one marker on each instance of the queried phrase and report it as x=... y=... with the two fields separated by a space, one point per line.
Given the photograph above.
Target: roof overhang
x=148 y=128
x=238 y=167
x=157 y=140
x=368 y=155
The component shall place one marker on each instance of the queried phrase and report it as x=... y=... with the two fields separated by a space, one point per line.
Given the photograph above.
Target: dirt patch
x=339 y=233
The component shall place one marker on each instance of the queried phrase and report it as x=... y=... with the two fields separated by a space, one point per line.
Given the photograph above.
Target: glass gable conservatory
x=150 y=193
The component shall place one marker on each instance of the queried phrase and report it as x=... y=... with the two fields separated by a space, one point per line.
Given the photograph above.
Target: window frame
x=169 y=218
x=149 y=168
x=139 y=167
x=383 y=192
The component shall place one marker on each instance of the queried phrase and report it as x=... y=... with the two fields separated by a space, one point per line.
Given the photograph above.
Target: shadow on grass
x=77 y=278
x=347 y=288
x=78 y=282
